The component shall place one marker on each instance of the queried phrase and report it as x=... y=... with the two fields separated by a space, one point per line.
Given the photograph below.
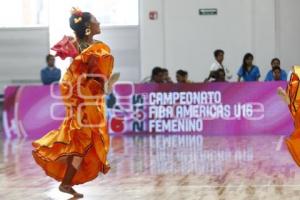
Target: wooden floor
x=166 y=167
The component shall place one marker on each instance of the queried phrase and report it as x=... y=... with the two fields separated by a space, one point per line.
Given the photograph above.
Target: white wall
x=288 y=31
x=23 y=51
x=22 y=54
x=183 y=39
x=263 y=35
x=180 y=38
x=191 y=39
x=151 y=36
x=125 y=45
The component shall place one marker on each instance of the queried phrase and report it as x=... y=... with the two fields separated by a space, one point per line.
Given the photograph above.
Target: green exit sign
x=208 y=11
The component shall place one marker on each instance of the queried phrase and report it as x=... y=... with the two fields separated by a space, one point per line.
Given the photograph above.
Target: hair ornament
x=77 y=20
x=76 y=12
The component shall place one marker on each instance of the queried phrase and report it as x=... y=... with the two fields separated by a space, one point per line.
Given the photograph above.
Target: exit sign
x=208 y=11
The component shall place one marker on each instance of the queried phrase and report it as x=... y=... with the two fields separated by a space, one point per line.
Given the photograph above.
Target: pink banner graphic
x=207 y=109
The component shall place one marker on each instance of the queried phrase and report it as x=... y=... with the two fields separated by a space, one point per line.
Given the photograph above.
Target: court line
x=279 y=143
x=241 y=186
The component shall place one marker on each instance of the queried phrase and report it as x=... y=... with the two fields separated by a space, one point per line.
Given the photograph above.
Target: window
x=108 y=12
x=55 y=15
x=24 y=13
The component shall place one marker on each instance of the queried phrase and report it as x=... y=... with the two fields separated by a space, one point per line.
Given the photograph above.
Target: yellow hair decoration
x=77 y=20
x=76 y=12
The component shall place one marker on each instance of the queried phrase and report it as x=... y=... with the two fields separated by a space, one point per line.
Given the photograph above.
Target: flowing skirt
x=293 y=92
x=91 y=143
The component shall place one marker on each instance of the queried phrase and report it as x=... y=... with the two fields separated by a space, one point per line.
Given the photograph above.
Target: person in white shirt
x=218 y=64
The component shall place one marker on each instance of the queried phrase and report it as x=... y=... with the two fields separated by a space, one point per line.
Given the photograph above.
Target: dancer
x=77 y=151
x=292 y=97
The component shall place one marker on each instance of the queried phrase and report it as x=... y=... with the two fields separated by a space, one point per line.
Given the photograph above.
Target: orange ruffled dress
x=293 y=92
x=84 y=130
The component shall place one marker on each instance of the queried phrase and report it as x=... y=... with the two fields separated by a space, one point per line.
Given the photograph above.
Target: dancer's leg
x=73 y=164
x=76 y=162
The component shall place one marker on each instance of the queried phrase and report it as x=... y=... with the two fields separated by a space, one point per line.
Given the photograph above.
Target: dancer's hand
x=113 y=79
x=281 y=92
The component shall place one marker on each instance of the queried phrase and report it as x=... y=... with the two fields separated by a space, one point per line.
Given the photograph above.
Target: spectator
x=217 y=76
x=248 y=71
x=275 y=63
x=277 y=74
x=218 y=64
x=50 y=74
x=166 y=77
x=212 y=76
x=220 y=76
x=157 y=75
x=182 y=76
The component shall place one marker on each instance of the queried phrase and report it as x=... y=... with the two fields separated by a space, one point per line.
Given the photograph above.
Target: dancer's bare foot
x=281 y=92
x=68 y=189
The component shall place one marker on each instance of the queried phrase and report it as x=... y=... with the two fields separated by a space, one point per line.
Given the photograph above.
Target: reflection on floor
x=171 y=167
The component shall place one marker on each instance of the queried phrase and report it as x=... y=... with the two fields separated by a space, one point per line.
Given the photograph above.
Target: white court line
x=6 y=127
x=241 y=186
x=279 y=143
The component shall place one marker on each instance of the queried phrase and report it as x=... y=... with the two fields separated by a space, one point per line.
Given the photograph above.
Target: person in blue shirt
x=276 y=63
x=50 y=74
x=276 y=73
x=248 y=71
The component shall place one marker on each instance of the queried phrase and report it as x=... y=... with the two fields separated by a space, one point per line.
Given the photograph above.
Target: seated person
x=277 y=74
x=218 y=64
x=182 y=77
x=216 y=76
x=157 y=75
x=50 y=74
x=166 y=77
x=248 y=71
x=276 y=63
x=220 y=76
